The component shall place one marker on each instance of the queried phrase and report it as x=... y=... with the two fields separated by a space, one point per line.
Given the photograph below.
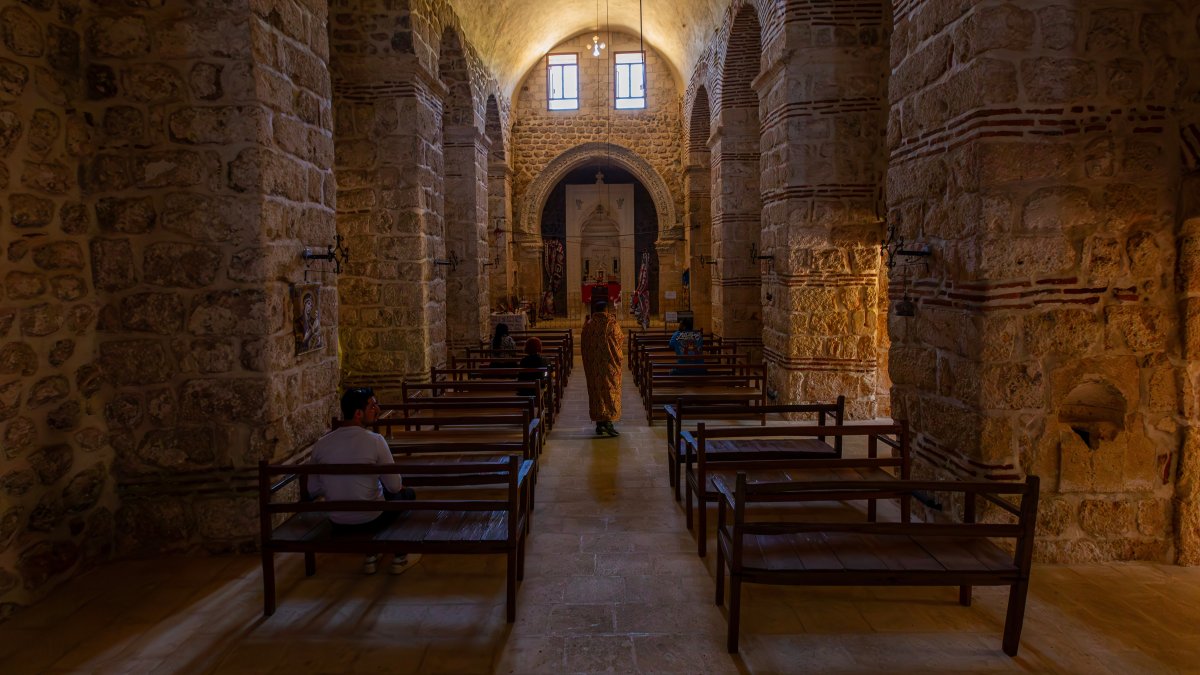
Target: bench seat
x=862 y=555
x=425 y=530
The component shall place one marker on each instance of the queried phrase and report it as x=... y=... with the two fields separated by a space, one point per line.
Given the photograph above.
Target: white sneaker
x=402 y=563
x=370 y=564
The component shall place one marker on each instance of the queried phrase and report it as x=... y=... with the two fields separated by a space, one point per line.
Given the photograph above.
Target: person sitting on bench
x=353 y=443
x=687 y=342
x=533 y=359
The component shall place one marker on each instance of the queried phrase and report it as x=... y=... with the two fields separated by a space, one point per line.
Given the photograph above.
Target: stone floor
x=613 y=585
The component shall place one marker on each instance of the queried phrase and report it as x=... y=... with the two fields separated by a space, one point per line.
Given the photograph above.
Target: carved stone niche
x=1102 y=447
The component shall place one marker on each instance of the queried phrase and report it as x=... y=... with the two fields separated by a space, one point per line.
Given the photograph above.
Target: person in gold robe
x=601 y=348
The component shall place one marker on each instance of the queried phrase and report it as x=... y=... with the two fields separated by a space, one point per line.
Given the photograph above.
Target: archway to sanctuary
x=599 y=226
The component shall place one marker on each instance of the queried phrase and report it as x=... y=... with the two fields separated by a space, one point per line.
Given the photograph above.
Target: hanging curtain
x=554 y=263
x=640 y=303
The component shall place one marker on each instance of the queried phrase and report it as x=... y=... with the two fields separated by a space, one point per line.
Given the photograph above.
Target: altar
x=610 y=290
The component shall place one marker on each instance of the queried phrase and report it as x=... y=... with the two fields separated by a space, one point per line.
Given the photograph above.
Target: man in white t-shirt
x=353 y=443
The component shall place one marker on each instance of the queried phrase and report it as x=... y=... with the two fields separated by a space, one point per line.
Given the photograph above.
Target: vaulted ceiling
x=511 y=35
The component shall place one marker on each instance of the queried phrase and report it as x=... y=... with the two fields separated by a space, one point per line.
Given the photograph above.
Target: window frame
x=574 y=65
x=645 y=98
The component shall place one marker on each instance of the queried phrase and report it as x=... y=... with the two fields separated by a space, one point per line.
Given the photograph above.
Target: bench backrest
x=508 y=471
x=743 y=493
x=690 y=410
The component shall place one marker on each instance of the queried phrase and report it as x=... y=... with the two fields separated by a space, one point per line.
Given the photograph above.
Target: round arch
x=539 y=190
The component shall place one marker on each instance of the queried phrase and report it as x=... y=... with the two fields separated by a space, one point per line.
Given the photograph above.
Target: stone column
x=698 y=218
x=672 y=255
x=466 y=203
x=389 y=163
x=527 y=261
x=500 y=227
x=822 y=136
x=1188 y=488
x=1030 y=149
x=737 y=303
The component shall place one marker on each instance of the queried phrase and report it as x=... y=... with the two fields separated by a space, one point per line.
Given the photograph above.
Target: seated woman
x=687 y=342
x=533 y=359
x=503 y=347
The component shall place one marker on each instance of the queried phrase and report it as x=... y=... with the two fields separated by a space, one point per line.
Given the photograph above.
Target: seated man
x=353 y=443
x=687 y=342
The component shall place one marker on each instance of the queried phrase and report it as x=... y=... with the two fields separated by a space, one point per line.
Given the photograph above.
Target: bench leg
x=720 y=574
x=964 y=596
x=688 y=503
x=521 y=559
x=310 y=564
x=735 y=610
x=268 y=572
x=1014 y=618
x=871 y=511
x=511 y=586
x=701 y=525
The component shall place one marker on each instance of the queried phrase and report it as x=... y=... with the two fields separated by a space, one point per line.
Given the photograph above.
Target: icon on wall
x=306 y=313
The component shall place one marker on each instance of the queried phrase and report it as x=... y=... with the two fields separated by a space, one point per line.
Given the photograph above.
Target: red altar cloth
x=613 y=288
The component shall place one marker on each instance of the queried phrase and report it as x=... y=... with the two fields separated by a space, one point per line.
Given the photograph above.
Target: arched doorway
x=599 y=225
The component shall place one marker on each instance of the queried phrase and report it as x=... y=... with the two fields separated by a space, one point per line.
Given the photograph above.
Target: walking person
x=601 y=347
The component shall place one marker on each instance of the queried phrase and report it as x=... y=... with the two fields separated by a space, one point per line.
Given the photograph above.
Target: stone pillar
x=822 y=137
x=737 y=305
x=1030 y=149
x=388 y=165
x=1188 y=488
x=527 y=262
x=698 y=218
x=501 y=273
x=210 y=176
x=466 y=151
x=672 y=256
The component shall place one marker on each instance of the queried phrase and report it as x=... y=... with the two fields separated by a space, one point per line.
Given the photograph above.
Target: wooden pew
x=660 y=366
x=742 y=383
x=477 y=368
x=468 y=523
x=688 y=411
x=550 y=336
x=905 y=553
x=477 y=388
x=780 y=453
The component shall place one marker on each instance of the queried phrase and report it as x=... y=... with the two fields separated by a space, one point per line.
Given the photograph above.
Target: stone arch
x=539 y=190
x=458 y=106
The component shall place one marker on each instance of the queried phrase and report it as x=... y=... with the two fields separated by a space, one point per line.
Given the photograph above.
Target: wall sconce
x=756 y=257
x=451 y=261
x=494 y=261
x=707 y=260
x=335 y=253
x=894 y=246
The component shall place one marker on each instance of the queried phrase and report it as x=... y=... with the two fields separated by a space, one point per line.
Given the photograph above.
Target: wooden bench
x=746 y=385
x=821 y=553
x=688 y=411
x=554 y=336
x=454 y=412
x=476 y=368
x=654 y=369
x=780 y=453
x=469 y=389
x=470 y=522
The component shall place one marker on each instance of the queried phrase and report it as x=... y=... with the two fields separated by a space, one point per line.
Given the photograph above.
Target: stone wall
x=539 y=136
x=58 y=497
x=155 y=352
x=1032 y=149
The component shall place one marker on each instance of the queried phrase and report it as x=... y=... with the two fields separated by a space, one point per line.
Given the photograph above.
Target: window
x=562 y=82
x=630 y=80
